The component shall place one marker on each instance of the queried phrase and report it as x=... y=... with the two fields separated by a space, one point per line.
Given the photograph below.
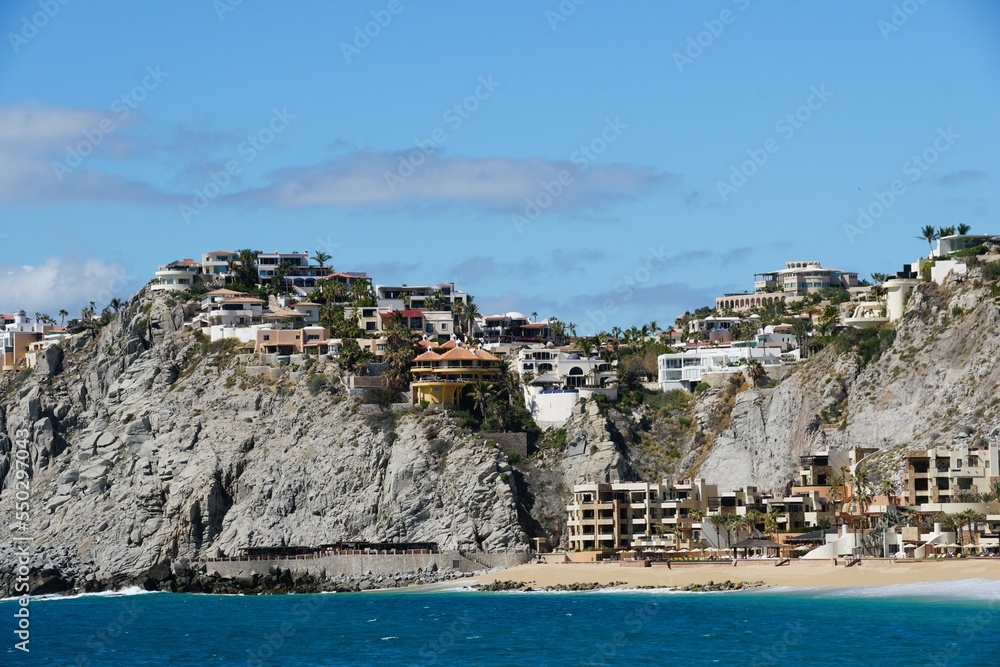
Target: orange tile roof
x=466 y=354
x=451 y=344
x=428 y=356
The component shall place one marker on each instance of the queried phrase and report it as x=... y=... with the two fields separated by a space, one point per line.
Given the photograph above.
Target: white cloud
x=376 y=178
x=61 y=283
x=34 y=137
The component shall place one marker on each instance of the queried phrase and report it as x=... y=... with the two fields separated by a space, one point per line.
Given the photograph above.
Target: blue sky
x=607 y=163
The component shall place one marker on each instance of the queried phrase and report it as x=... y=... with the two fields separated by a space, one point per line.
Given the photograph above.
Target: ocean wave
x=122 y=592
x=966 y=589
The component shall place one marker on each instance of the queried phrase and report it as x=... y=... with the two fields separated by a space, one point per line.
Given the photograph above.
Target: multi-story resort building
x=797 y=279
x=949 y=474
x=614 y=516
x=627 y=514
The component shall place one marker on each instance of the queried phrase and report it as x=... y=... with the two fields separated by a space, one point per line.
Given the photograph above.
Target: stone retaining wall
x=360 y=565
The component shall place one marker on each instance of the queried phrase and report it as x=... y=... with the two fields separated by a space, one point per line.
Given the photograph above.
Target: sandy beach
x=797 y=574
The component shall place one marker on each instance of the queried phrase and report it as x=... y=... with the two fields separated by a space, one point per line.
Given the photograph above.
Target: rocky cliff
x=935 y=380
x=148 y=444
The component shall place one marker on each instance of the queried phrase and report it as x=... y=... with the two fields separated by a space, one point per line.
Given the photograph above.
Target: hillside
x=934 y=381
x=148 y=444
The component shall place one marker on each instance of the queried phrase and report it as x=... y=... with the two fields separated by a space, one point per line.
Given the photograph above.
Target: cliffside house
x=179 y=275
x=440 y=378
x=797 y=279
x=17 y=337
x=684 y=370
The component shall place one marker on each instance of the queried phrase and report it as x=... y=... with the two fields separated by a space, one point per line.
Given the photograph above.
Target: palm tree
x=771 y=522
x=964 y=229
x=63 y=314
x=471 y=313
x=534 y=316
x=834 y=494
x=719 y=521
x=801 y=329
x=116 y=304
x=481 y=391
x=756 y=372
x=889 y=490
x=972 y=518
x=929 y=234
x=321 y=258
x=945 y=231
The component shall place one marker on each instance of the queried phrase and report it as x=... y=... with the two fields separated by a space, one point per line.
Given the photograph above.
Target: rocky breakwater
x=579 y=587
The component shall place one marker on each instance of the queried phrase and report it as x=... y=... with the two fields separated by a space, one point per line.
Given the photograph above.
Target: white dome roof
x=515 y=316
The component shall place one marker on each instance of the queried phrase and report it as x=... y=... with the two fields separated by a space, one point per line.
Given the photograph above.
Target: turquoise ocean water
x=956 y=623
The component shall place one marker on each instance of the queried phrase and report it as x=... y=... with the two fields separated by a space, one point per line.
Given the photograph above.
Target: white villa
x=684 y=370
x=560 y=377
x=179 y=275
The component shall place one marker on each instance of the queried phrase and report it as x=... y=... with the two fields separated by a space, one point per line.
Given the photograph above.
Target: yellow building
x=439 y=378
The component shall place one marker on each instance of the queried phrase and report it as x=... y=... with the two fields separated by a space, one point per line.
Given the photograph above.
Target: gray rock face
x=937 y=384
x=147 y=445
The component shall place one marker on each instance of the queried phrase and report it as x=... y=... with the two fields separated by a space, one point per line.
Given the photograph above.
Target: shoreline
x=583 y=577
x=798 y=575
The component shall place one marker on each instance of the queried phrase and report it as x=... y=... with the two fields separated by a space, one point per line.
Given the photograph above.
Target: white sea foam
x=967 y=589
x=124 y=592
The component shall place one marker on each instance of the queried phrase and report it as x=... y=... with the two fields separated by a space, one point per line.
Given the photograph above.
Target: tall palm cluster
x=930 y=233
x=735 y=526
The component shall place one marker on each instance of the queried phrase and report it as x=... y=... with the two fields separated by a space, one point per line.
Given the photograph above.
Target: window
x=369 y=326
x=267 y=337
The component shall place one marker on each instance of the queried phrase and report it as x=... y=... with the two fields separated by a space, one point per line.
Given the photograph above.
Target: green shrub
x=317 y=383
x=991 y=271
x=701 y=387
